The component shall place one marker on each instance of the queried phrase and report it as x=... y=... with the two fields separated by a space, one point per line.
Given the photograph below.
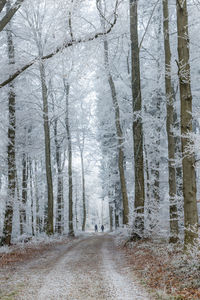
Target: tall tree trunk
x=59 y=180
x=111 y=216
x=38 y=220
x=50 y=228
x=179 y=171
x=188 y=161
x=169 y=126
x=69 y=148
x=119 y=134
x=155 y=171
x=157 y=114
x=76 y=205
x=83 y=192
x=148 y=186
x=137 y=123
x=24 y=194
x=31 y=194
x=7 y=230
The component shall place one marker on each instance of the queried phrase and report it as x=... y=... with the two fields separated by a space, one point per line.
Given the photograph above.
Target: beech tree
x=69 y=150
x=118 y=126
x=137 y=122
x=169 y=126
x=188 y=161
x=8 y=222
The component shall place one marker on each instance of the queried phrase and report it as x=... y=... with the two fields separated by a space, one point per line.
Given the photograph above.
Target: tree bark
x=119 y=135
x=9 y=13
x=24 y=194
x=2 y=4
x=59 y=181
x=70 y=183
x=169 y=126
x=157 y=100
x=137 y=123
x=50 y=228
x=188 y=161
x=7 y=230
x=38 y=219
x=83 y=192
x=111 y=217
x=76 y=205
x=31 y=194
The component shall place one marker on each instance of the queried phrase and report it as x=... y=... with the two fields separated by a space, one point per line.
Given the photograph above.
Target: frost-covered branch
x=8 y=16
x=59 y=49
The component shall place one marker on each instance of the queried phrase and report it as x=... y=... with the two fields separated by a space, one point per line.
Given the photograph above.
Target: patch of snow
x=5 y=249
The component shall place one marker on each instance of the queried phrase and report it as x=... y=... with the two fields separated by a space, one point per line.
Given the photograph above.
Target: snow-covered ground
x=88 y=268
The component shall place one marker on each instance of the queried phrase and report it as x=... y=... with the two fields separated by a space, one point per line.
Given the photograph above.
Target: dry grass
x=21 y=253
x=166 y=270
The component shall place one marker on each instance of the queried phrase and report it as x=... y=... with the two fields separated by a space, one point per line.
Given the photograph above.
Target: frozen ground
x=90 y=268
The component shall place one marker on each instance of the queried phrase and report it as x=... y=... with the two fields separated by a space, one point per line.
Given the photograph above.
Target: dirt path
x=88 y=269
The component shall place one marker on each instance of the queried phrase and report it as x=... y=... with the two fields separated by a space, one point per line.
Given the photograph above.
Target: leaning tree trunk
x=119 y=134
x=169 y=126
x=50 y=228
x=188 y=161
x=137 y=123
x=70 y=183
x=7 y=230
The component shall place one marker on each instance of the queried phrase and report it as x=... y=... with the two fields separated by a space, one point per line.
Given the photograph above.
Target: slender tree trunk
x=111 y=216
x=59 y=180
x=38 y=220
x=60 y=203
x=24 y=194
x=18 y=198
x=188 y=161
x=7 y=230
x=147 y=173
x=148 y=190
x=169 y=126
x=76 y=206
x=137 y=123
x=50 y=228
x=70 y=183
x=157 y=114
x=156 y=164
x=31 y=194
x=83 y=192
x=179 y=171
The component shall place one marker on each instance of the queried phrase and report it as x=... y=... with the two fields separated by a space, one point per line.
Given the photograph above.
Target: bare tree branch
x=149 y=21
x=6 y=19
x=58 y=50
x=70 y=21
x=2 y=4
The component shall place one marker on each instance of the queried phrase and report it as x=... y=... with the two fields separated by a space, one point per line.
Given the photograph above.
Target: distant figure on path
x=102 y=228
x=96 y=228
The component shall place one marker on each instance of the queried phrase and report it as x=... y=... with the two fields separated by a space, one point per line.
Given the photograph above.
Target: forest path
x=90 y=268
